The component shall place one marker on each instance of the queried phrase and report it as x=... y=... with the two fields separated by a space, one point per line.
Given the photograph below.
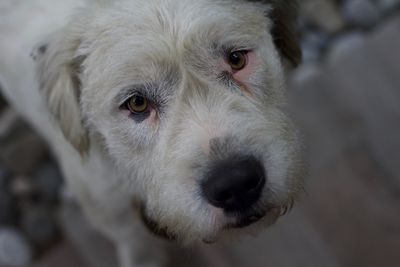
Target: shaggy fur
x=91 y=56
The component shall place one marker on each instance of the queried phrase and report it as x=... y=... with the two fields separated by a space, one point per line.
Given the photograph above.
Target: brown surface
x=64 y=255
x=351 y=116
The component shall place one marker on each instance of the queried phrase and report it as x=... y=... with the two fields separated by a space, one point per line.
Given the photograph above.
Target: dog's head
x=186 y=98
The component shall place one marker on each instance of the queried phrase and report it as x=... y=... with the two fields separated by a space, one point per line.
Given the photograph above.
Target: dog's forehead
x=147 y=25
x=147 y=41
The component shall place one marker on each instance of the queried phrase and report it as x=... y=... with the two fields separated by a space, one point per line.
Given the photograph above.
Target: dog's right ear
x=59 y=67
x=284 y=19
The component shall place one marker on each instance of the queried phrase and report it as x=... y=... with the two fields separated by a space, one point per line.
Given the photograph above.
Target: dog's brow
x=129 y=91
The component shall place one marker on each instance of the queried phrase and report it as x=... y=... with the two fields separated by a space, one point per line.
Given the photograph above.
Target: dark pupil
x=139 y=101
x=235 y=58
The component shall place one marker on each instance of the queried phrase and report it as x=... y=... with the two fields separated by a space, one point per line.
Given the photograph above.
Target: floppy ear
x=284 y=19
x=59 y=66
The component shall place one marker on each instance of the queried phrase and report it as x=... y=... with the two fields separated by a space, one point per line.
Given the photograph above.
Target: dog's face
x=186 y=99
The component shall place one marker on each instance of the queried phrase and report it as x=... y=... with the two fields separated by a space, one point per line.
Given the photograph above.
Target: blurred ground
x=345 y=98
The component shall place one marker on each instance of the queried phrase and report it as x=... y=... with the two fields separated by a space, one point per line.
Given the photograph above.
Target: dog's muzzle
x=234 y=185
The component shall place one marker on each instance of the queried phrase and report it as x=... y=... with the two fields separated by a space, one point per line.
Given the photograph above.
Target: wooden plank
x=358 y=217
x=352 y=112
x=365 y=85
x=293 y=241
x=383 y=48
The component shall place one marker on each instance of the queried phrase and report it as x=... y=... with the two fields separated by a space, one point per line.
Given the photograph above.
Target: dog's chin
x=234 y=221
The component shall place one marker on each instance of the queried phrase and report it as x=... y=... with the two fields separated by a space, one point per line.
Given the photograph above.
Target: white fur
x=111 y=162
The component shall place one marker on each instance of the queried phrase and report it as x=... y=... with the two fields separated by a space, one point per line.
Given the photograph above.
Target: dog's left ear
x=59 y=67
x=284 y=22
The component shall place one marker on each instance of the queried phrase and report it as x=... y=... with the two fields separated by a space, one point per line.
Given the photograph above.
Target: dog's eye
x=237 y=60
x=137 y=104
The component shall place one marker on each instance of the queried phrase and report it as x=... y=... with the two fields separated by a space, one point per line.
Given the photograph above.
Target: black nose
x=234 y=184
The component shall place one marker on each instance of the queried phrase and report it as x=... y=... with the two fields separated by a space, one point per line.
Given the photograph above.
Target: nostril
x=234 y=184
x=229 y=202
x=222 y=196
x=252 y=183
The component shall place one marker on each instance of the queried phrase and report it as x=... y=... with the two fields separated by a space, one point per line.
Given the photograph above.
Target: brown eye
x=237 y=60
x=137 y=104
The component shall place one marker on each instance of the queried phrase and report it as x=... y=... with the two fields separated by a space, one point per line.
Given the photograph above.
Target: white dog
x=163 y=113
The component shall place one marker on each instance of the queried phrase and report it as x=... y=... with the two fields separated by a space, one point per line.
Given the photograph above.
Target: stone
x=15 y=250
x=323 y=14
x=21 y=186
x=313 y=43
x=22 y=152
x=345 y=45
x=361 y=13
x=8 y=120
x=388 y=5
x=8 y=209
x=3 y=176
x=48 y=181
x=38 y=223
x=305 y=72
x=3 y=103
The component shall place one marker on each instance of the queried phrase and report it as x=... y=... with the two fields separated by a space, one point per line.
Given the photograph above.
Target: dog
x=166 y=116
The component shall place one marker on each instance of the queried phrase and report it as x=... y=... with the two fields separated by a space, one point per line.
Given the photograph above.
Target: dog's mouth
x=244 y=220
x=154 y=227
x=236 y=221
x=240 y=221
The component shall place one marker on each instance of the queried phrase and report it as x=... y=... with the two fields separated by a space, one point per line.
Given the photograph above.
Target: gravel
x=362 y=13
x=15 y=250
x=344 y=45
